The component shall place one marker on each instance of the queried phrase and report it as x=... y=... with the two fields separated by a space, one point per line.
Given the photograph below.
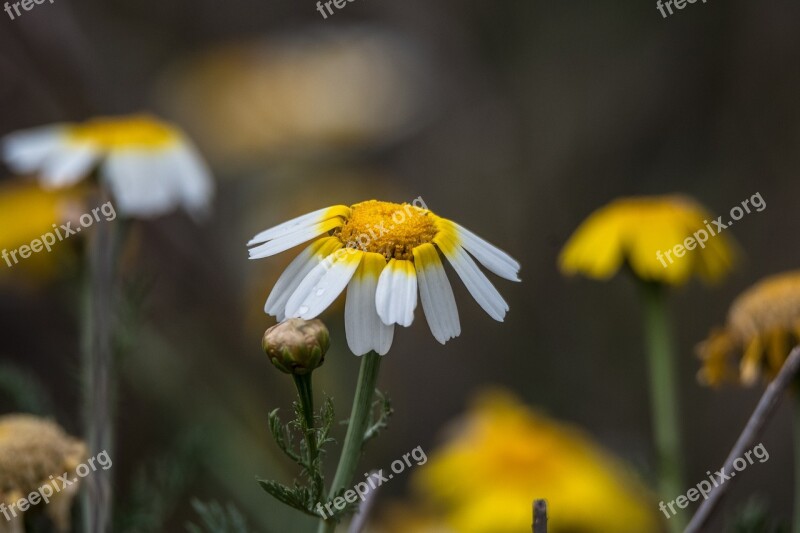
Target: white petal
x=436 y=294
x=489 y=255
x=323 y=284
x=365 y=331
x=396 y=296
x=26 y=151
x=476 y=282
x=296 y=272
x=192 y=179
x=291 y=240
x=140 y=182
x=299 y=223
x=68 y=165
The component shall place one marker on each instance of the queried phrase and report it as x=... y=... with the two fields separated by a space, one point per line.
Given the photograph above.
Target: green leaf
x=383 y=406
x=298 y=497
x=283 y=436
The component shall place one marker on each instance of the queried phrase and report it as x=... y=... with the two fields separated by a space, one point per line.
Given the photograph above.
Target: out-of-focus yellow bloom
x=634 y=231
x=313 y=92
x=31 y=451
x=505 y=455
x=26 y=213
x=763 y=326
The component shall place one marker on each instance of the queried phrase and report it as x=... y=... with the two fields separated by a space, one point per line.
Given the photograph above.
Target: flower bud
x=297 y=346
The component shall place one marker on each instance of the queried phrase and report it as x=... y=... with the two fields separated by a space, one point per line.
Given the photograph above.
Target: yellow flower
x=150 y=166
x=383 y=253
x=763 y=326
x=505 y=455
x=26 y=213
x=643 y=233
x=31 y=451
x=308 y=93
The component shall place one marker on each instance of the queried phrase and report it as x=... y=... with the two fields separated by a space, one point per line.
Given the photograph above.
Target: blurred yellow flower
x=635 y=230
x=311 y=92
x=32 y=450
x=763 y=326
x=505 y=455
x=26 y=213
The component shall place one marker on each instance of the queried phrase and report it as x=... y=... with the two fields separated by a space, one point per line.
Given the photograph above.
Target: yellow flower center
x=138 y=131
x=390 y=229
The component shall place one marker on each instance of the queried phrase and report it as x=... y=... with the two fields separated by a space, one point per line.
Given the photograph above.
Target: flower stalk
x=663 y=396
x=98 y=371
x=306 y=396
x=356 y=430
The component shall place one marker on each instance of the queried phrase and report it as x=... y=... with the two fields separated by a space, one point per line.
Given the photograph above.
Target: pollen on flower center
x=140 y=131
x=390 y=229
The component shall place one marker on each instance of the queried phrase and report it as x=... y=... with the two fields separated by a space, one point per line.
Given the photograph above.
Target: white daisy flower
x=150 y=167
x=384 y=253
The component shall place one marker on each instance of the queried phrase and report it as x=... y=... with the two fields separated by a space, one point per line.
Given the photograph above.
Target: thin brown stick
x=539 y=516
x=758 y=420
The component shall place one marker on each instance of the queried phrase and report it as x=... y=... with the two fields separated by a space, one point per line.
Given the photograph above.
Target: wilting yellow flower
x=382 y=252
x=26 y=213
x=763 y=326
x=150 y=166
x=504 y=456
x=643 y=233
x=31 y=450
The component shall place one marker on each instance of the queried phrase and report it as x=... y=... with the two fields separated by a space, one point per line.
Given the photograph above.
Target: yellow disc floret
x=137 y=131
x=390 y=229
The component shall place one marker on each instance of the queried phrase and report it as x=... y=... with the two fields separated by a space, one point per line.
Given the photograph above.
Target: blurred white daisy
x=150 y=167
x=382 y=252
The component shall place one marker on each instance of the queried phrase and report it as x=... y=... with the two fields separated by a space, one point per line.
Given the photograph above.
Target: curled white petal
x=299 y=223
x=281 y=244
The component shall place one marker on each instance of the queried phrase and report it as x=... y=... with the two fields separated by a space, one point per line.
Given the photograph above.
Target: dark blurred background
x=516 y=119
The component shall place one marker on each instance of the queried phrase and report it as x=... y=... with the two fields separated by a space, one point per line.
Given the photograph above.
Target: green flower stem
x=664 y=397
x=304 y=391
x=98 y=370
x=354 y=439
